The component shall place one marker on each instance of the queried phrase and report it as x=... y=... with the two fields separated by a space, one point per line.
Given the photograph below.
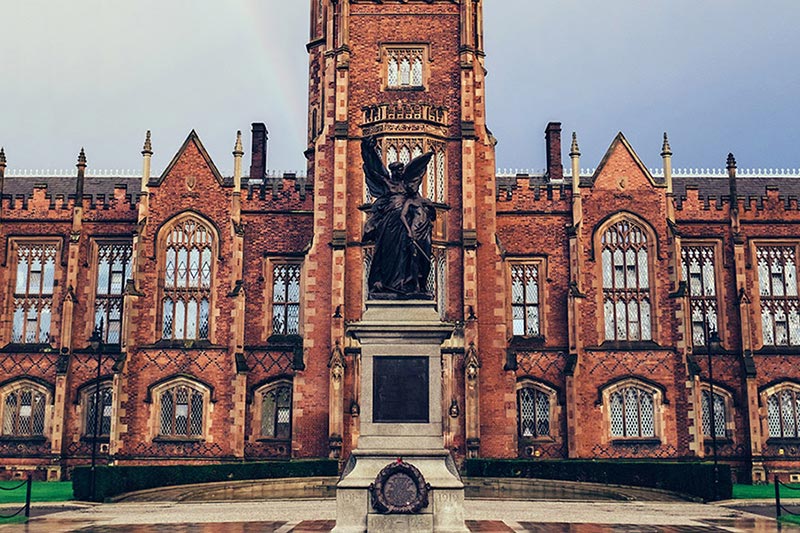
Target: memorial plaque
x=400 y=390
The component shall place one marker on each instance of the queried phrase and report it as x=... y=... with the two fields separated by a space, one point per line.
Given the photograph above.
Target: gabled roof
x=620 y=139
x=192 y=138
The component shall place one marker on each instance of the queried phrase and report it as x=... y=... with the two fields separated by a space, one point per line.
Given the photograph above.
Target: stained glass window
x=699 y=274
x=181 y=412
x=104 y=416
x=286 y=299
x=720 y=414
x=24 y=411
x=33 y=293
x=632 y=413
x=188 y=267
x=626 y=285
x=783 y=414
x=780 y=308
x=276 y=411
x=113 y=269
x=525 y=300
x=534 y=412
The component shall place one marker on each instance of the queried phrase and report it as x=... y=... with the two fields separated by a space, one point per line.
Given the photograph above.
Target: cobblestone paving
x=483 y=516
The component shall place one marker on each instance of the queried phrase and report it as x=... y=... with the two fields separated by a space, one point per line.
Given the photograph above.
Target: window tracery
x=33 y=293
x=626 y=283
x=181 y=414
x=780 y=307
x=631 y=408
x=24 y=406
x=720 y=414
x=103 y=419
x=276 y=411
x=783 y=413
x=404 y=149
x=187 y=280
x=525 y=299
x=535 y=405
x=404 y=67
x=698 y=264
x=113 y=269
x=286 y=299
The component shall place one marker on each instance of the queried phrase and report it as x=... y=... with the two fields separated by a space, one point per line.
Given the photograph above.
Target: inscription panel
x=400 y=390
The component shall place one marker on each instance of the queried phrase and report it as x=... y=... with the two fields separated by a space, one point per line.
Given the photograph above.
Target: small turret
x=575 y=156
x=732 y=186
x=81 y=175
x=147 y=154
x=666 y=155
x=238 y=152
x=2 y=173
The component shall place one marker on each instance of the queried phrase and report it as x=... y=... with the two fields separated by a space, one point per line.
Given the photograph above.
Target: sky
x=719 y=75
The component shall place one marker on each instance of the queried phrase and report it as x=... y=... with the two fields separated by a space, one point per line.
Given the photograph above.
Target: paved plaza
x=284 y=516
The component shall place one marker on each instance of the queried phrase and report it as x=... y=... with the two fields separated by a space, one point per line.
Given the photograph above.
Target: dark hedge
x=692 y=479
x=114 y=480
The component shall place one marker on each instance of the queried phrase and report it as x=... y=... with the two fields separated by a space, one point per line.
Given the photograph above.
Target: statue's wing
x=415 y=169
x=375 y=173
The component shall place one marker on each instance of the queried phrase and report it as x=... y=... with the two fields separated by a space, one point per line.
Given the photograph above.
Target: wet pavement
x=483 y=516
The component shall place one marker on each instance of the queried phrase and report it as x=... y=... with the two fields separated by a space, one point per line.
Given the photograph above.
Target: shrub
x=114 y=480
x=692 y=479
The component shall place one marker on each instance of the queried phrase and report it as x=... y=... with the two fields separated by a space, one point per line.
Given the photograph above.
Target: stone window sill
x=178 y=440
x=636 y=441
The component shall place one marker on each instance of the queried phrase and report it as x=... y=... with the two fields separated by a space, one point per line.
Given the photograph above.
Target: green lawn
x=753 y=492
x=42 y=491
x=791 y=519
x=15 y=520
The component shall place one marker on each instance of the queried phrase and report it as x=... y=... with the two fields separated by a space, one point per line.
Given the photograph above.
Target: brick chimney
x=552 y=135
x=258 y=162
x=2 y=173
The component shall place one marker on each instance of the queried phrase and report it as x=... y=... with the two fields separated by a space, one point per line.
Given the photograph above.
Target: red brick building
x=582 y=302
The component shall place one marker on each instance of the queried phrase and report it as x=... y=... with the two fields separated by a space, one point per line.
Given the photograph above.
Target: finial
x=2 y=156
x=238 y=150
x=731 y=162
x=665 y=148
x=574 y=150
x=81 y=158
x=148 y=148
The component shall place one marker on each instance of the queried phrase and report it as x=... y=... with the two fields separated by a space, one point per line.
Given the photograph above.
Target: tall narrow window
x=783 y=414
x=626 y=283
x=33 y=293
x=437 y=278
x=276 y=411
x=632 y=412
x=181 y=412
x=23 y=410
x=534 y=412
x=101 y=418
x=720 y=415
x=699 y=274
x=113 y=269
x=525 y=299
x=187 y=281
x=286 y=299
x=780 y=308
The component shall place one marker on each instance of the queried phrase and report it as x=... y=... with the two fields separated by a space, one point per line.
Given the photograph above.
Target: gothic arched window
x=33 y=292
x=188 y=268
x=780 y=305
x=182 y=407
x=23 y=409
x=103 y=417
x=720 y=414
x=632 y=410
x=276 y=411
x=783 y=412
x=626 y=282
x=534 y=408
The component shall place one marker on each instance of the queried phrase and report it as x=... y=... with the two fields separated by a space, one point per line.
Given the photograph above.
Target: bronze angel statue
x=400 y=224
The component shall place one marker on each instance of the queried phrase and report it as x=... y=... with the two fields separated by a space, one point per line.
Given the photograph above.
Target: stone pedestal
x=392 y=430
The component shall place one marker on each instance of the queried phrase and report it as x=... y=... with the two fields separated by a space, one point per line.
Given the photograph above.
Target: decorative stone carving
x=399 y=489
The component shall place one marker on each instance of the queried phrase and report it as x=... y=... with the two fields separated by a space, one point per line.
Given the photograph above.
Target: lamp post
x=96 y=343
x=712 y=344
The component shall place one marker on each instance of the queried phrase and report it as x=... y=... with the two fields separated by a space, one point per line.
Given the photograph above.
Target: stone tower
x=412 y=74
